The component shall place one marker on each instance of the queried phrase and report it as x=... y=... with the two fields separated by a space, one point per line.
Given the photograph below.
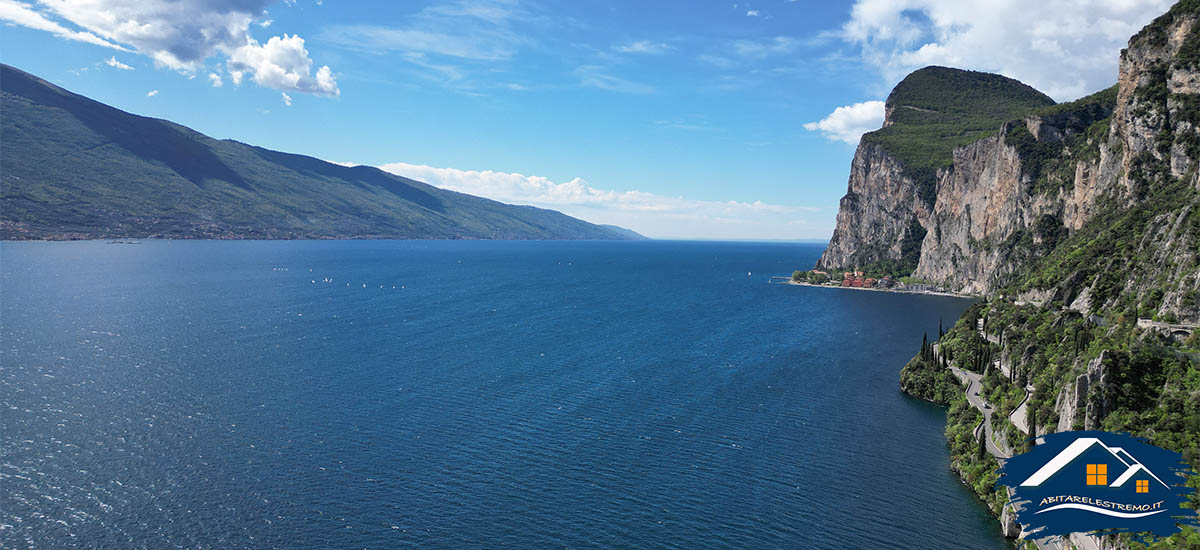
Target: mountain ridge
x=77 y=168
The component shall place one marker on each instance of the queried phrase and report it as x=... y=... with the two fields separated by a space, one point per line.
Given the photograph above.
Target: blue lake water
x=463 y=395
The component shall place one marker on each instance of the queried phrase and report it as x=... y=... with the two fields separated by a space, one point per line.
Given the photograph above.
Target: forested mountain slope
x=71 y=167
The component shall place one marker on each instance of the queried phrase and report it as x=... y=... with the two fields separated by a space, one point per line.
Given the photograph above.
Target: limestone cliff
x=889 y=205
x=1082 y=220
x=1030 y=206
x=880 y=218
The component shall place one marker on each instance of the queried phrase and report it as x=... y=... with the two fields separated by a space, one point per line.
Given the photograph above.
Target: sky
x=677 y=119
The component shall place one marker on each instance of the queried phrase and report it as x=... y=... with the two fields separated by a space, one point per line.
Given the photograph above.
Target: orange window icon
x=1143 y=486
x=1097 y=474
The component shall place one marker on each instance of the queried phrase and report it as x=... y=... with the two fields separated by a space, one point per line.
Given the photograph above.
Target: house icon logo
x=1097 y=481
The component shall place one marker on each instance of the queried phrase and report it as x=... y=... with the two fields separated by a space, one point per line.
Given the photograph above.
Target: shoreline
x=892 y=290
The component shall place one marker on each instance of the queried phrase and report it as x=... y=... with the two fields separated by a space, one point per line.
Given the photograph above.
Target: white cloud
x=112 y=62
x=850 y=122
x=152 y=93
x=752 y=13
x=215 y=79
x=473 y=30
x=182 y=36
x=594 y=76
x=1065 y=49
x=445 y=40
x=265 y=23
x=648 y=213
x=643 y=46
x=759 y=49
x=382 y=40
x=23 y=14
x=287 y=99
x=718 y=61
x=282 y=64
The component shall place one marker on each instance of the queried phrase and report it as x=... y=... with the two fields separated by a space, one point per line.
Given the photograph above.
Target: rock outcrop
x=1009 y=197
x=889 y=204
x=879 y=215
x=1085 y=402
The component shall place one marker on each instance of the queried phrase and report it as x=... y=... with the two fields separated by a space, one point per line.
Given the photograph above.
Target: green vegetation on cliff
x=1139 y=381
x=1148 y=386
x=936 y=109
x=928 y=377
x=1117 y=245
x=1155 y=34
x=1060 y=328
x=1051 y=161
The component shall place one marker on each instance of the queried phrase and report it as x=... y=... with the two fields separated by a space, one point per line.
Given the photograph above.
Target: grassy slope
x=936 y=109
x=75 y=167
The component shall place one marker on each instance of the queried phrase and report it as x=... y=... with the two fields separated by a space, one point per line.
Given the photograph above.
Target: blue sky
x=677 y=119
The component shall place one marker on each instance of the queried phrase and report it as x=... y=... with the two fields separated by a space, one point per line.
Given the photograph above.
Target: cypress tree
x=1031 y=419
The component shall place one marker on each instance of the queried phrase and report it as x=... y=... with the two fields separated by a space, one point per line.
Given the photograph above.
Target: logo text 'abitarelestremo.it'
x=1082 y=482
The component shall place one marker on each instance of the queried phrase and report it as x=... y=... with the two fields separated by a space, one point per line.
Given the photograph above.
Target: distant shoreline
x=929 y=292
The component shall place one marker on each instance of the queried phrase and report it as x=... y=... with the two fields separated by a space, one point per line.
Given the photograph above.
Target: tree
x=1031 y=419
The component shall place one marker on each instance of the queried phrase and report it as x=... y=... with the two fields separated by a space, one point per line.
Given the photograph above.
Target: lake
x=464 y=394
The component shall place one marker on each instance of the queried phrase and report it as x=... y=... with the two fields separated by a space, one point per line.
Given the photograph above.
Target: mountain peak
x=935 y=94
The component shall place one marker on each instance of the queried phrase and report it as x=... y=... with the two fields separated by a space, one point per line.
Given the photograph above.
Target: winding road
x=974 y=383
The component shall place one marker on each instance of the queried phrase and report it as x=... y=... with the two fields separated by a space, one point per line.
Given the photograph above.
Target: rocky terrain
x=1007 y=200
x=1078 y=224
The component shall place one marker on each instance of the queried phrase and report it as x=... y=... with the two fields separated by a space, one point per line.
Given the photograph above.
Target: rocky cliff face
x=1010 y=198
x=1157 y=86
x=1083 y=403
x=1091 y=206
x=890 y=202
x=880 y=214
x=984 y=200
x=991 y=219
